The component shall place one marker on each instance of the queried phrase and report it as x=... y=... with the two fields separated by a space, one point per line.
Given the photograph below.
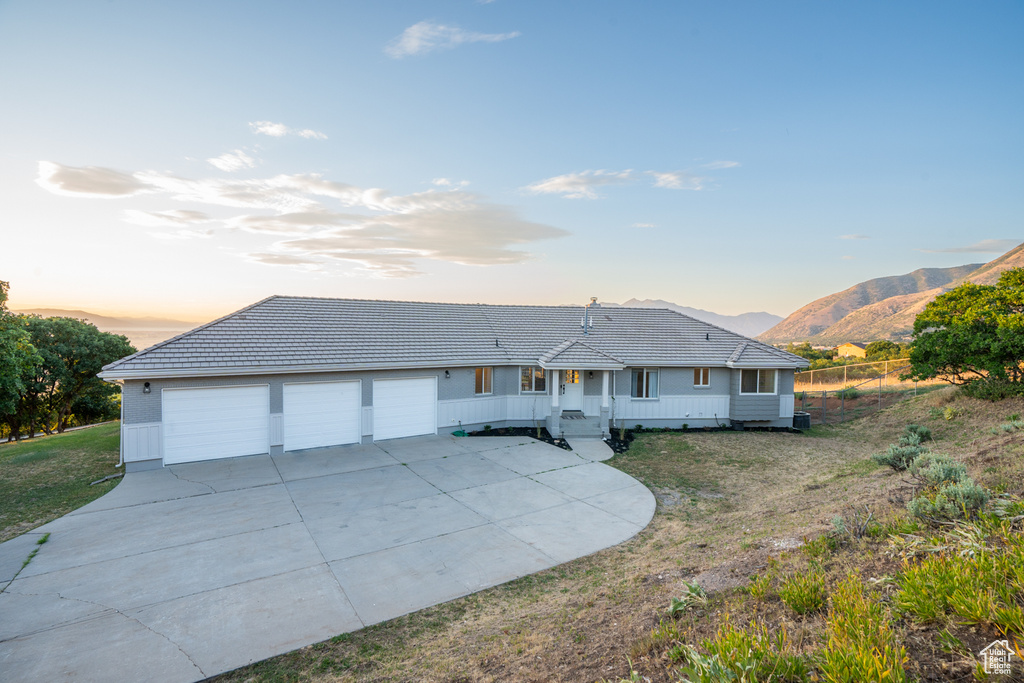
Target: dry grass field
x=731 y=505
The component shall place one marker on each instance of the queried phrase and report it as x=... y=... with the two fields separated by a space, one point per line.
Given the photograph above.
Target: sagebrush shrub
x=923 y=433
x=937 y=469
x=959 y=500
x=899 y=457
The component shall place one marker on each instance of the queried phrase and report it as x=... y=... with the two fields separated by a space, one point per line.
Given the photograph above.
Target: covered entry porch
x=576 y=370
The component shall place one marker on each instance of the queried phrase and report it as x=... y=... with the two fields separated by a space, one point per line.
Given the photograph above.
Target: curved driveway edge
x=189 y=571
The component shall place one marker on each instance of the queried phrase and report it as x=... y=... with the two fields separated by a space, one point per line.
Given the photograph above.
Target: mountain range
x=747 y=324
x=885 y=307
x=141 y=332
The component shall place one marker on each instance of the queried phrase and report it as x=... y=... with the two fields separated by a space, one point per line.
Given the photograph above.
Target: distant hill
x=747 y=324
x=883 y=308
x=142 y=332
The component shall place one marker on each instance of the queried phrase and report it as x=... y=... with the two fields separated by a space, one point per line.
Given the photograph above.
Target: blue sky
x=189 y=158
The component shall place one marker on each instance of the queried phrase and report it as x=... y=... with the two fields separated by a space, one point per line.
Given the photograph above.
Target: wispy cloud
x=446 y=182
x=232 y=161
x=272 y=259
x=279 y=130
x=430 y=36
x=390 y=245
x=643 y=225
x=183 y=235
x=853 y=237
x=165 y=219
x=88 y=181
x=584 y=184
x=579 y=185
x=386 y=234
x=677 y=180
x=983 y=247
x=848 y=258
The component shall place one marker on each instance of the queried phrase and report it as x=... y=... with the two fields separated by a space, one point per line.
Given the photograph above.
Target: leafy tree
x=971 y=332
x=805 y=350
x=17 y=357
x=72 y=352
x=886 y=350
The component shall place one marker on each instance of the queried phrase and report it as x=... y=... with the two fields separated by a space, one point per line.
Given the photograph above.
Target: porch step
x=576 y=424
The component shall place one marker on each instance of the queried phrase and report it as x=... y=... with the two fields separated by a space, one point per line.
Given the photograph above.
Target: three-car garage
x=208 y=423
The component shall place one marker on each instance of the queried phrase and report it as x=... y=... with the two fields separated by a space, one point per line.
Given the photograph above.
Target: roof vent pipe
x=587 y=323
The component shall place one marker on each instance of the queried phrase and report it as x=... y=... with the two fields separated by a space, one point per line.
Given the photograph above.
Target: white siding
x=672 y=408
x=212 y=423
x=471 y=411
x=404 y=407
x=786 y=405
x=528 y=407
x=141 y=441
x=318 y=414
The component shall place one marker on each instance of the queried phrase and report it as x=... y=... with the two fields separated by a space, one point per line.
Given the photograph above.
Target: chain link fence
x=843 y=393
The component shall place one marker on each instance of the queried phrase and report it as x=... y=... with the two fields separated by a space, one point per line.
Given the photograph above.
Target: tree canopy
x=48 y=370
x=972 y=332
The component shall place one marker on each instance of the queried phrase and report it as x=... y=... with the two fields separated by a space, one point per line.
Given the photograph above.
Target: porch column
x=606 y=425
x=555 y=418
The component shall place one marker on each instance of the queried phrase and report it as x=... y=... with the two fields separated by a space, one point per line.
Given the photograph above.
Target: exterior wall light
x=145 y=388
x=447 y=375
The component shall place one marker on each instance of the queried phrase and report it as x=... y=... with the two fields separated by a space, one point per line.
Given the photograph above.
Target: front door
x=572 y=390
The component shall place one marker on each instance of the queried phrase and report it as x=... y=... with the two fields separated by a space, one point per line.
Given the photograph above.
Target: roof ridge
x=738 y=352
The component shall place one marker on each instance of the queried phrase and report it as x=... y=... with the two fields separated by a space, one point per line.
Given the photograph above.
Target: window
x=483 y=380
x=702 y=377
x=531 y=379
x=757 y=382
x=644 y=383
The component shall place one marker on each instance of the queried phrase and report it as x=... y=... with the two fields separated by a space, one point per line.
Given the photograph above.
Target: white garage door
x=320 y=414
x=215 y=422
x=404 y=407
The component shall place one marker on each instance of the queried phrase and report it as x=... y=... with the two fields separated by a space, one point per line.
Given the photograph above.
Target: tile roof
x=299 y=334
x=574 y=353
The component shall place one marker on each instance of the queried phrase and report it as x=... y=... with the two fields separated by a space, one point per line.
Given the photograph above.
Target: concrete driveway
x=192 y=570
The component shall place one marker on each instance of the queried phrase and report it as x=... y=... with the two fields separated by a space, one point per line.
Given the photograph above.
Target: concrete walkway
x=192 y=570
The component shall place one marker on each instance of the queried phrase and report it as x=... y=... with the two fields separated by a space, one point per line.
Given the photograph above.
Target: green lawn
x=46 y=477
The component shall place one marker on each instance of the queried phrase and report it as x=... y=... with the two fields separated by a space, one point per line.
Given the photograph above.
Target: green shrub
x=959 y=500
x=759 y=586
x=992 y=389
x=937 y=469
x=692 y=595
x=861 y=644
x=923 y=433
x=849 y=393
x=909 y=439
x=977 y=575
x=749 y=654
x=899 y=457
x=951 y=413
x=804 y=593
